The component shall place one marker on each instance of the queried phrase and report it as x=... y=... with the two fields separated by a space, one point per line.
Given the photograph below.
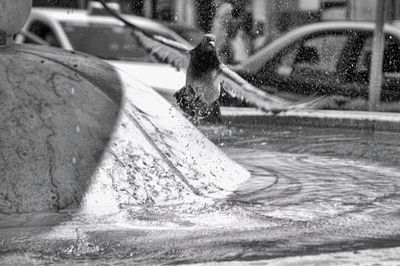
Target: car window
x=320 y=53
x=391 y=56
x=43 y=31
x=107 y=41
x=364 y=61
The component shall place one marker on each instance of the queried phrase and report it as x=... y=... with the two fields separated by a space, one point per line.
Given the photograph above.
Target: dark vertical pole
x=82 y=4
x=375 y=79
x=205 y=14
x=154 y=6
x=137 y=7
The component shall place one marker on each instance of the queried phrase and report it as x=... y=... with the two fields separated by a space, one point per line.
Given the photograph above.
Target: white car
x=95 y=32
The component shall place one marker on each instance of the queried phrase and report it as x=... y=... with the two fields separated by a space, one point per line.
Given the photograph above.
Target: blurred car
x=94 y=32
x=328 y=58
x=190 y=33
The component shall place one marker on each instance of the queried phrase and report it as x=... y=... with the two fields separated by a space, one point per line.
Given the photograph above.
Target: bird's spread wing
x=237 y=87
x=177 y=55
x=164 y=50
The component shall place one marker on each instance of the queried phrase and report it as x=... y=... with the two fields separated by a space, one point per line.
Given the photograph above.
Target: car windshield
x=107 y=41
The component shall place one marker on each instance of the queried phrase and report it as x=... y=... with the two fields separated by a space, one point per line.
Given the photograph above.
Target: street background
x=270 y=18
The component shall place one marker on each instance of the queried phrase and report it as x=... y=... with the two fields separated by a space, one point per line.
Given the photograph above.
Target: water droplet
x=74 y=161
x=73 y=91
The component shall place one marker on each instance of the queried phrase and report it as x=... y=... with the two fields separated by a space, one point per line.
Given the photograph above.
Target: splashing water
x=307 y=195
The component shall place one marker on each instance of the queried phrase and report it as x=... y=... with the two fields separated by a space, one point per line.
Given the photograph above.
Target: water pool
x=312 y=191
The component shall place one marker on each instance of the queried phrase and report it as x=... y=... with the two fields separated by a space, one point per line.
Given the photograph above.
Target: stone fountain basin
x=76 y=132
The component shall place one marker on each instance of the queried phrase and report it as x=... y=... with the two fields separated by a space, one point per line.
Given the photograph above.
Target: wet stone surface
x=53 y=123
x=312 y=191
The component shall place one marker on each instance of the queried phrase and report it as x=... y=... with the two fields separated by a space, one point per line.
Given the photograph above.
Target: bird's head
x=205 y=53
x=208 y=43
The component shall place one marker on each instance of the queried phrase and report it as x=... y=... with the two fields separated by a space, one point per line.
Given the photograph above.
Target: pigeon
x=199 y=98
x=208 y=81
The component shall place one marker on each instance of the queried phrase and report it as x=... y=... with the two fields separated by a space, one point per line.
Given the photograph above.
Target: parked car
x=94 y=32
x=328 y=58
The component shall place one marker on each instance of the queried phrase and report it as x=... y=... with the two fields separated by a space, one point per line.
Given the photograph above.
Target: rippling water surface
x=318 y=172
x=311 y=191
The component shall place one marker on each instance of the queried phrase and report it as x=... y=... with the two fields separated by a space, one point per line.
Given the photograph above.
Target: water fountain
x=97 y=167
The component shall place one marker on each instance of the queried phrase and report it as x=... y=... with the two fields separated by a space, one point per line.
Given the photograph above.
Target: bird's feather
x=178 y=55
x=156 y=47
x=237 y=87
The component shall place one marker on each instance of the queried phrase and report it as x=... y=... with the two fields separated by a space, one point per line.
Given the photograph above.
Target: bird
x=199 y=97
x=208 y=81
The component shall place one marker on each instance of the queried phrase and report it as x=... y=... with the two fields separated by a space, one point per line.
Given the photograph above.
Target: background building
x=363 y=10
x=271 y=17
